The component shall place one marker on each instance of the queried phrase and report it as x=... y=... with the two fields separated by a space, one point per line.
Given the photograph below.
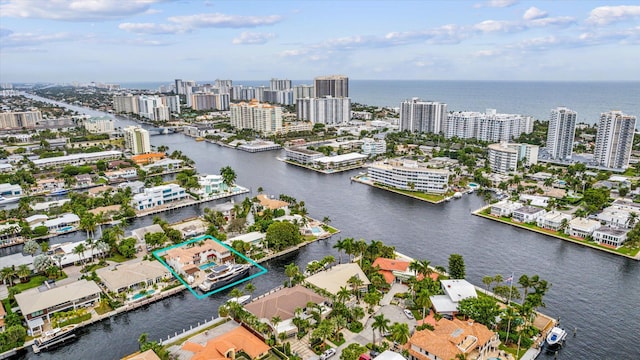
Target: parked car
x=408 y=313
x=327 y=354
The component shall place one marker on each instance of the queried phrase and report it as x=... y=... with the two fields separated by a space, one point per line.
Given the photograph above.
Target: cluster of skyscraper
x=614 y=138
x=331 y=104
x=431 y=116
x=152 y=107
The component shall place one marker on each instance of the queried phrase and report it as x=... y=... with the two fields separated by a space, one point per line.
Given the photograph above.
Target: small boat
x=54 y=337
x=556 y=337
x=199 y=139
x=224 y=275
x=59 y=192
x=242 y=300
x=457 y=195
x=8 y=200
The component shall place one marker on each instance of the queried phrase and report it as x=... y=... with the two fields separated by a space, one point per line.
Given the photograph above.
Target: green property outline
x=200 y=238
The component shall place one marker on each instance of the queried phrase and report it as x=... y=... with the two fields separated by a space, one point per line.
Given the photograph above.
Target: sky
x=117 y=41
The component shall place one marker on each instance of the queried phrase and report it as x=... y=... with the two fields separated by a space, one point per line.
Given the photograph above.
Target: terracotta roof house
x=185 y=260
x=452 y=337
x=144 y=159
x=390 y=267
x=228 y=345
x=272 y=204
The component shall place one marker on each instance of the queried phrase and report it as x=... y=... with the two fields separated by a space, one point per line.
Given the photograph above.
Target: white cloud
x=225 y=21
x=20 y=40
x=496 y=3
x=251 y=38
x=489 y=26
x=555 y=21
x=486 y=53
x=151 y=28
x=534 y=13
x=604 y=15
x=78 y=10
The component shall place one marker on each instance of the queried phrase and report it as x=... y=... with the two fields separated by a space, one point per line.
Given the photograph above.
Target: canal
x=595 y=292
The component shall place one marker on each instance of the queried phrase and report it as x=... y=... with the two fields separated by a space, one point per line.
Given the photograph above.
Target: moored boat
x=54 y=337
x=224 y=275
x=240 y=300
x=556 y=337
x=8 y=200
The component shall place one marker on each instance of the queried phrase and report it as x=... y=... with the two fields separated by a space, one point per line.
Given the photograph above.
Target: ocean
x=533 y=98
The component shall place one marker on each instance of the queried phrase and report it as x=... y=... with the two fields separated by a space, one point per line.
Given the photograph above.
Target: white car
x=327 y=354
x=408 y=313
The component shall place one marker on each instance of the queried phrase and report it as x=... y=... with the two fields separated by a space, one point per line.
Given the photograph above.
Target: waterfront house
x=614 y=217
x=5 y=168
x=393 y=270
x=302 y=155
x=157 y=196
x=553 y=220
x=451 y=338
x=210 y=185
x=99 y=190
x=273 y=204
x=527 y=214
x=227 y=209
x=9 y=233
x=136 y=186
x=163 y=165
x=37 y=305
x=139 y=233
x=48 y=185
x=338 y=276
x=581 y=227
x=9 y=190
x=535 y=200
x=191 y=227
x=186 y=259
x=64 y=254
x=505 y=208
x=283 y=303
x=254 y=238
x=454 y=292
x=627 y=204
x=83 y=180
x=134 y=276
x=610 y=236
x=146 y=355
x=63 y=223
x=121 y=174
x=228 y=346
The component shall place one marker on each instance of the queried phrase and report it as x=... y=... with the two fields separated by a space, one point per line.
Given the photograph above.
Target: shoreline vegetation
x=550 y=233
x=430 y=198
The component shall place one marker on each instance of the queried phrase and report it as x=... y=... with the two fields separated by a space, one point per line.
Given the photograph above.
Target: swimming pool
x=65 y=229
x=143 y=294
x=474 y=185
x=316 y=230
x=207 y=265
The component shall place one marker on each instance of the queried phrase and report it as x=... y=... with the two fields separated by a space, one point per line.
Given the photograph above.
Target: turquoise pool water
x=474 y=185
x=207 y=265
x=365 y=178
x=144 y=294
x=65 y=229
x=316 y=230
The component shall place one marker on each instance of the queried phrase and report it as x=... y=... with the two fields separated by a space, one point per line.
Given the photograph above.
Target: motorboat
x=54 y=337
x=8 y=200
x=242 y=300
x=224 y=275
x=457 y=195
x=59 y=192
x=555 y=337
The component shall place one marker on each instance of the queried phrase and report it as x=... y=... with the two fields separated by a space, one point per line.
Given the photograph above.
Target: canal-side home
x=553 y=220
x=505 y=208
x=186 y=259
x=610 y=236
x=338 y=276
x=229 y=346
x=37 y=305
x=158 y=195
x=581 y=227
x=133 y=276
x=527 y=214
x=454 y=292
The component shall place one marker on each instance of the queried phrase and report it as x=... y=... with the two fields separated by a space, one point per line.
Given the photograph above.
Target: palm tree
x=487 y=280
x=30 y=247
x=291 y=271
x=250 y=288
x=228 y=176
x=339 y=245
x=8 y=273
x=343 y=294
x=631 y=220
x=88 y=224
x=79 y=250
x=563 y=225
x=423 y=300
x=400 y=333
x=236 y=293
x=355 y=283
x=41 y=263
x=381 y=324
x=421 y=267
x=275 y=321
x=23 y=271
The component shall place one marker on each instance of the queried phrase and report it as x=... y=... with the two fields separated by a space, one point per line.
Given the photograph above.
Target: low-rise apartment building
x=409 y=175
x=158 y=195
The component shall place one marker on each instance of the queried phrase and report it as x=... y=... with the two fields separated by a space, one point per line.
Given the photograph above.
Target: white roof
x=77 y=157
x=249 y=237
x=389 y=355
x=458 y=289
x=141 y=232
x=33 y=300
x=337 y=276
x=37 y=217
x=341 y=158
x=64 y=219
x=584 y=224
x=443 y=304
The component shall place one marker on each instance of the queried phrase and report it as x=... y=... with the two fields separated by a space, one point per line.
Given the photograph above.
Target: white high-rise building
x=179 y=87
x=137 y=140
x=504 y=157
x=21 y=119
x=423 y=116
x=327 y=110
x=614 y=140
x=303 y=91
x=280 y=84
x=562 y=130
x=210 y=101
x=172 y=102
x=262 y=118
x=98 y=125
x=489 y=126
x=125 y=104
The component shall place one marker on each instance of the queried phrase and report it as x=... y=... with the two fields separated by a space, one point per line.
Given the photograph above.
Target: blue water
x=316 y=230
x=534 y=98
x=65 y=229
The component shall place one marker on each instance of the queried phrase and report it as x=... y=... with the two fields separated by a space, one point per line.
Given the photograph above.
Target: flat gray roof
x=337 y=276
x=33 y=300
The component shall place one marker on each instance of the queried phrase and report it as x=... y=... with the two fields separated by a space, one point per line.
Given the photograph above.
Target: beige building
x=263 y=118
x=133 y=276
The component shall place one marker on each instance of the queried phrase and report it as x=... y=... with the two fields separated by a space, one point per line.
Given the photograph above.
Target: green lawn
x=118 y=258
x=434 y=198
x=35 y=281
